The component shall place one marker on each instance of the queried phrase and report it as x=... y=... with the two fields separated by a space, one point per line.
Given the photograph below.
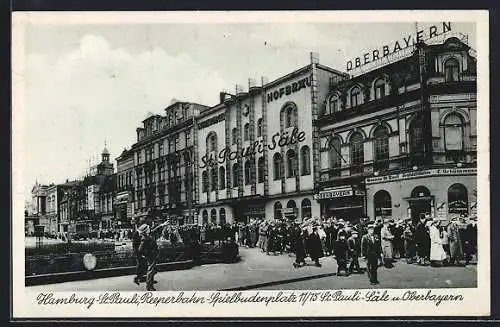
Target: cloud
x=97 y=93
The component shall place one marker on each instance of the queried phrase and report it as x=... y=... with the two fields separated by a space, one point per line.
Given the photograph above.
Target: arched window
x=290 y=116
x=357 y=152
x=205 y=217
x=259 y=127
x=235 y=135
x=204 y=177
x=214 y=178
x=222 y=216
x=305 y=159
x=290 y=163
x=451 y=70
x=277 y=162
x=213 y=216
x=291 y=213
x=278 y=212
x=246 y=132
x=260 y=165
x=248 y=172
x=382 y=204
x=381 y=147
x=380 y=88
x=417 y=135
x=212 y=142
x=458 y=200
x=222 y=178
x=236 y=171
x=356 y=96
x=454 y=137
x=334 y=104
x=420 y=191
x=306 y=209
x=334 y=154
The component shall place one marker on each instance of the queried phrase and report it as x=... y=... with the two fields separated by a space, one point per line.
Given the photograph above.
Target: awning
x=420 y=198
x=345 y=208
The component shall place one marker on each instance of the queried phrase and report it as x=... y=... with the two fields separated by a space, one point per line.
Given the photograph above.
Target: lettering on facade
x=418 y=174
x=279 y=139
x=289 y=89
x=212 y=121
x=399 y=45
x=335 y=194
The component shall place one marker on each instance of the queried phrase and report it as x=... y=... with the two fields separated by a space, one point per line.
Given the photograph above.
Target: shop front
x=441 y=193
x=344 y=202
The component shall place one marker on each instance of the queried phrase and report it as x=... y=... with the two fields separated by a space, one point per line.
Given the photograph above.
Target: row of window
x=218 y=176
x=305 y=206
x=213 y=216
x=454 y=129
x=355 y=96
x=157 y=150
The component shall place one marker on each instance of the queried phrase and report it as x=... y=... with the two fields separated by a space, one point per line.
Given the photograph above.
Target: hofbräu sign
x=398 y=45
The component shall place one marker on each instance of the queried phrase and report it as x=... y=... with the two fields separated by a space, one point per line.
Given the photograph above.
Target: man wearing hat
x=149 y=249
x=141 y=262
x=354 y=246
x=455 y=242
x=315 y=248
x=370 y=250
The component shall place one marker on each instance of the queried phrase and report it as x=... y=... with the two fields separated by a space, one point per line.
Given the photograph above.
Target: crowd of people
x=380 y=243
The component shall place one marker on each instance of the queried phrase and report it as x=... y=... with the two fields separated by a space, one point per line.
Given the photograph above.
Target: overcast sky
x=85 y=84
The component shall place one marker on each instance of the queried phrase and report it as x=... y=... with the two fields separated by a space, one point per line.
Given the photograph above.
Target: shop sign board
x=422 y=173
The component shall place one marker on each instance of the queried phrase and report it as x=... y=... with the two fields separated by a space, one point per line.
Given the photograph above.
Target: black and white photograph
x=240 y=165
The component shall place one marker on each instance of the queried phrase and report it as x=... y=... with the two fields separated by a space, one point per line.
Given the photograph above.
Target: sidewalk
x=258 y=270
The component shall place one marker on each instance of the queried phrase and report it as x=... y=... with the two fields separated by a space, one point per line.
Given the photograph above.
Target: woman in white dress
x=437 y=252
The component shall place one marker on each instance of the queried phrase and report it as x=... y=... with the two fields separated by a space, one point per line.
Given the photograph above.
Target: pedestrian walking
x=315 y=249
x=387 y=244
x=149 y=249
x=455 y=242
x=341 y=255
x=437 y=254
x=141 y=262
x=354 y=247
x=300 y=251
x=370 y=250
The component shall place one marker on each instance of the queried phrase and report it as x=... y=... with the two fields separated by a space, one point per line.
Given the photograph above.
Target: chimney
x=264 y=80
x=239 y=89
x=314 y=58
x=252 y=83
x=222 y=96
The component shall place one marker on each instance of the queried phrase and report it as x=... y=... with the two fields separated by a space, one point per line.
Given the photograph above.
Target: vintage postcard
x=250 y=164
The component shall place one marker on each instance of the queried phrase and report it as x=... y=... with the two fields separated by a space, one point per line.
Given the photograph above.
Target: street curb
x=278 y=282
x=100 y=273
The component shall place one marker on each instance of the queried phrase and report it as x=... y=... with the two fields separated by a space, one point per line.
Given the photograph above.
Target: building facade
x=257 y=149
x=400 y=140
x=164 y=176
x=125 y=177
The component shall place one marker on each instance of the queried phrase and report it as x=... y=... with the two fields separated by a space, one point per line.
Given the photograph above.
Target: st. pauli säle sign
x=278 y=139
x=398 y=45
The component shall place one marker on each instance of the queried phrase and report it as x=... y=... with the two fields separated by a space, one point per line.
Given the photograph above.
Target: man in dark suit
x=315 y=247
x=370 y=249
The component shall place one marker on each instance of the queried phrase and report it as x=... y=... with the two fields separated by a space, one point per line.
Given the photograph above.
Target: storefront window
x=382 y=204
x=458 y=200
x=213 y=216
x=291 y=214
x=306 y=209
x=278 y=214
x=222 y=216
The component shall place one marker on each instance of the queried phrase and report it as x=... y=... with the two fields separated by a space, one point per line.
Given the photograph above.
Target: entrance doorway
x=420 y=202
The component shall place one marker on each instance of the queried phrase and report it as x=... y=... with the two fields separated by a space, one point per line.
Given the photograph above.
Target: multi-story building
x=36 y=208
x=124 y=202
x=400 y=140
x=257 y=150
x=163 y=164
